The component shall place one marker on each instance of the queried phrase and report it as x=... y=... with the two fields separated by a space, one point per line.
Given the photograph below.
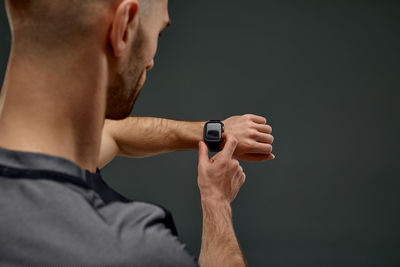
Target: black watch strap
x=214 y=146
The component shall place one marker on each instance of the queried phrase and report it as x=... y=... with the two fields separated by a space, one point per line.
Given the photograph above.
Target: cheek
x=148 y=48
x=150 y=53
x=153 y=48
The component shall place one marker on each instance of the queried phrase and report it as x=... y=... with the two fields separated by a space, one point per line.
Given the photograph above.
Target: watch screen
x=213 y=131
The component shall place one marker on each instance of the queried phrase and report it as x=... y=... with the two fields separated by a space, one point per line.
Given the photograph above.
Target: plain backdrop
x=326 y=75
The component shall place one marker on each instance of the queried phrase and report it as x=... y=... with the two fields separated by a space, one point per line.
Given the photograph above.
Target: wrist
x=187 y=134
x=213 y=132
x=215 y=203
x=197 y=133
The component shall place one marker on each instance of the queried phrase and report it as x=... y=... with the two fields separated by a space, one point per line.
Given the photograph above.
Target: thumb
x=203 y=152
x=230 y=145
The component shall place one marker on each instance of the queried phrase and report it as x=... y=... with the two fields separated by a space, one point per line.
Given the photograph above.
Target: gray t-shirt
x=54 y=213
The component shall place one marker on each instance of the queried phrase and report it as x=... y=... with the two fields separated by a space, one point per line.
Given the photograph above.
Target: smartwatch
x=213 y=130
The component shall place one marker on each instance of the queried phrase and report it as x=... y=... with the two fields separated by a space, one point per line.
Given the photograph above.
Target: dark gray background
x=326 y=76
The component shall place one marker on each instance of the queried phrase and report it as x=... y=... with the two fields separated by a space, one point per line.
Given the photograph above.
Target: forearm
x=139 y=137
x=219 y=246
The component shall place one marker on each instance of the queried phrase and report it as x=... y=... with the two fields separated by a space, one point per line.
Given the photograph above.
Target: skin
x=139 y=137
x=220 y=179
x=107 y=47
x=32 y=104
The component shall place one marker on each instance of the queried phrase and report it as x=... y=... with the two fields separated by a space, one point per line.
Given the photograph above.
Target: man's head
x=124 y=32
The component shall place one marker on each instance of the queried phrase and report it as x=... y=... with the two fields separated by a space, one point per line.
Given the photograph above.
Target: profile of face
x=132 y=52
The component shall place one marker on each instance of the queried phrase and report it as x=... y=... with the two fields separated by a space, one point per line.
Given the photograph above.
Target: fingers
x=236 y=164
x=259 y=148
x=203 y=152
x=239 y=171
x=240 y=176
x=230 y=145
x=256 y=157
x=263 y=128
x=257 y=119
x=264 y=138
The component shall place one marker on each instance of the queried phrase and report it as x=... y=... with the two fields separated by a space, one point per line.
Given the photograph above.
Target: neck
x=54 y=106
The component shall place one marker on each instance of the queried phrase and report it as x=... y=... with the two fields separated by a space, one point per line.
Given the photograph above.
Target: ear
x=127 y=13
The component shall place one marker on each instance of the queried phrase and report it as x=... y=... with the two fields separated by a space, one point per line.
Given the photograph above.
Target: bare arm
x=219 y=246
x=139 y=137
x=220 y=179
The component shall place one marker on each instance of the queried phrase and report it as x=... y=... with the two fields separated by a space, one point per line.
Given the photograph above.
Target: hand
x=253 y=135
x=220 y=177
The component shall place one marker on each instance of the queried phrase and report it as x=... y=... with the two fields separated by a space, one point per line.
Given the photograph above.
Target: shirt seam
x=37 y=174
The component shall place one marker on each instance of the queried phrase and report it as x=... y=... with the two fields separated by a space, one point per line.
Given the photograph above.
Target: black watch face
x=213 y=132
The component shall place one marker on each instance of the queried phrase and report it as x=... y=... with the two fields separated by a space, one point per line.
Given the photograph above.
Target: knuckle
x=249 y=145
x=253 y=133
x=223 y=162
x=234 y=140
x=235 y=163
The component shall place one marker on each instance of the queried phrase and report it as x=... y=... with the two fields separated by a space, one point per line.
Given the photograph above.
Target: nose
x=150 y=66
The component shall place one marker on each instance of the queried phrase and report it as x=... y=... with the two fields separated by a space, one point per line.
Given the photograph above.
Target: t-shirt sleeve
x=166 y=249
x=150 y=239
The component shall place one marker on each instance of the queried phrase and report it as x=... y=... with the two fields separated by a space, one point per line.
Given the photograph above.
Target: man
x=72 y=65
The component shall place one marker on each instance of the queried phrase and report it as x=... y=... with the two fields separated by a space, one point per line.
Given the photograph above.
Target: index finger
x=230 y=145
